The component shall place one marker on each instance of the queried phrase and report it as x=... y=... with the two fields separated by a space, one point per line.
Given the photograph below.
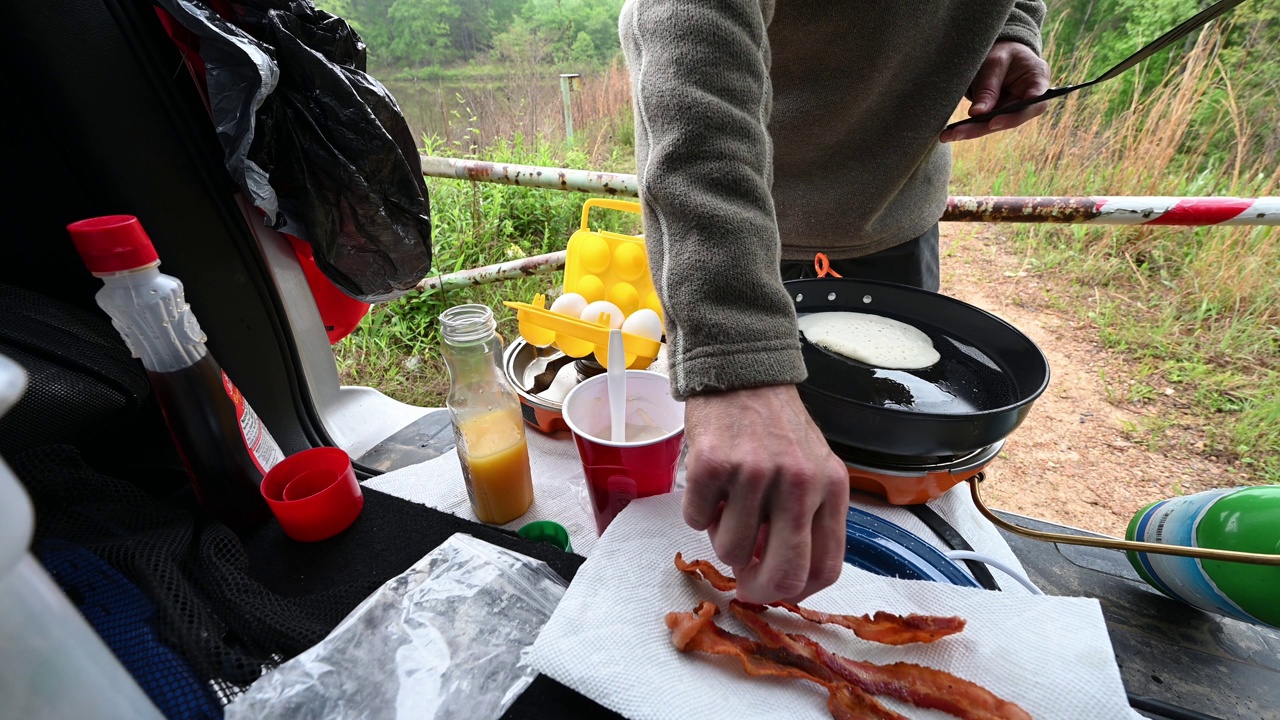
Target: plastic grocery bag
x=445 y=639
x=318 y=145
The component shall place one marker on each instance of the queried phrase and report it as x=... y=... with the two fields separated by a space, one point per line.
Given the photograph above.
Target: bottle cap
x=545 y=531
x=112 y=243
x=314 y=494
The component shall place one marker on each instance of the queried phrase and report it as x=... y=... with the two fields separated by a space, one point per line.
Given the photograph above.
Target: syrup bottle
x=223 y=443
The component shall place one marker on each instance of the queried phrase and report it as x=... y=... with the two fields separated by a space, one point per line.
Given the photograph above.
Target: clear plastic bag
x=445 y=639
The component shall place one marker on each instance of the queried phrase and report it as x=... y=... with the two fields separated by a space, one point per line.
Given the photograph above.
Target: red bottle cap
x=112 y=243
x=314 y=494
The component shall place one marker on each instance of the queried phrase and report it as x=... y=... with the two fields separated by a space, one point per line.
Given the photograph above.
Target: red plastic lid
x=314 y=494
x=112 y=243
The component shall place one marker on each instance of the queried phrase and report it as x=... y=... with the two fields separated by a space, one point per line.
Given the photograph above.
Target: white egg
x=592 y=313
x=569 y=304
x=644 y=323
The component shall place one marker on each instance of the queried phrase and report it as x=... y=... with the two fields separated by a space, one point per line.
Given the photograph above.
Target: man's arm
x=1024 y=23
x=1012 y=71
x=700 y=77
x=761 y=479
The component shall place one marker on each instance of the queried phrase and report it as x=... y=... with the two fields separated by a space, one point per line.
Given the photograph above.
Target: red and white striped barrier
x=1091 y=210
x=1128 y=210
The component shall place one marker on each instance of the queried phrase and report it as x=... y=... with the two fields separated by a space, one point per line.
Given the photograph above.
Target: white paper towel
x=559 y=494
x=607 y=639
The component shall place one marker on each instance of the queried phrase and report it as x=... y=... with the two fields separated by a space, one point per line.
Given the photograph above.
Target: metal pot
x=521 y=362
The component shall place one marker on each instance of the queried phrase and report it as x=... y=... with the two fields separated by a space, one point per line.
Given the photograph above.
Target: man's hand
x=767 y=488
x=1011 y=72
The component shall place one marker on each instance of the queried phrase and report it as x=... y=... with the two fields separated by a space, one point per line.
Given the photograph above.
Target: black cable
x=1164 y=710
x=954 y=540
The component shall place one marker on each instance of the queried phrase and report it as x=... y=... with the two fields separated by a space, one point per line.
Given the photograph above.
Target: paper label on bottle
x=257 y=440
x=1174 y=522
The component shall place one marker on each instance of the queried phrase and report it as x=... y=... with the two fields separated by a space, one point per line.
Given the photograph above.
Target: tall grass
x=1199 y=309
x=468 y=109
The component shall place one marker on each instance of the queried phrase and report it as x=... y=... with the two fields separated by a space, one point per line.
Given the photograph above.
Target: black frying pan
x=977 y=394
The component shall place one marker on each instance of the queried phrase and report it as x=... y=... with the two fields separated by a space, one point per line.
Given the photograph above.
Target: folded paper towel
x=607 y=638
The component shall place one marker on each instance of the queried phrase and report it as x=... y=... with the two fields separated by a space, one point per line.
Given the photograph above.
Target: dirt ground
x=1071 y=461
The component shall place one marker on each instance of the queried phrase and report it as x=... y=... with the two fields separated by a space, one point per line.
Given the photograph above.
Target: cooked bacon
x=921 y=686
x=885 y=628
x=697 y=632
x=706 y=571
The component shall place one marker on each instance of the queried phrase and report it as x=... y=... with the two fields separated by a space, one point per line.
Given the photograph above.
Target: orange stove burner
x=909 y=483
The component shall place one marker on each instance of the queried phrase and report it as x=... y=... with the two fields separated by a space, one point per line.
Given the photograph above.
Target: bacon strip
x=706 y=571
x=921 y=686
x=885 y=628
x=697 y=632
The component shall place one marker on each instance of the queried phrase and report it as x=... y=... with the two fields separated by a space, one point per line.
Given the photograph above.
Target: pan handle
x=1111 y=543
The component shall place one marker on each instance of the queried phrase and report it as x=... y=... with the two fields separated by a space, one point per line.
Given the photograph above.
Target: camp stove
x=911 y=480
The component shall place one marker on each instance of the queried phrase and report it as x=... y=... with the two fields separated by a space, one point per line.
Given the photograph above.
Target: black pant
x=914 y=263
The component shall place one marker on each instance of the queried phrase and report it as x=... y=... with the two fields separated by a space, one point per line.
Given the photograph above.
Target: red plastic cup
x=314 y=494
x=619 y=472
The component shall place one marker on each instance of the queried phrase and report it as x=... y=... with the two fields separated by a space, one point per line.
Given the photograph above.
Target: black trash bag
x=320 y=146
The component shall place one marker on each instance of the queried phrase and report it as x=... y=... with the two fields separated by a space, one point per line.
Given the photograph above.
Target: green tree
x=421 y=31
x=583 y=49
x=559 y=23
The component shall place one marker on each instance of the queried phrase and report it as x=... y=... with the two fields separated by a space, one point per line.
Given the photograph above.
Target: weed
x=1196 y=307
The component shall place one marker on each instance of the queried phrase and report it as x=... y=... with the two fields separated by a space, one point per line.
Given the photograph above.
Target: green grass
x=396 y=348
x=1221 y=359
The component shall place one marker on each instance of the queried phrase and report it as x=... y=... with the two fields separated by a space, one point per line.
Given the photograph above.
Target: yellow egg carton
x=599 y=265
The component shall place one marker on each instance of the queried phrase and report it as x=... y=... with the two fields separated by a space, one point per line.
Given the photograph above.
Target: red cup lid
x=112 y=243
x=314 y=494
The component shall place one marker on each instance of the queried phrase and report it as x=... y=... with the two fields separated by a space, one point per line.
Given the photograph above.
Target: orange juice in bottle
x=495 y=461
x=486 y=416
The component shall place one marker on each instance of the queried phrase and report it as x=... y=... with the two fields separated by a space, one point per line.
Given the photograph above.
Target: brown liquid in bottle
x=204 y=424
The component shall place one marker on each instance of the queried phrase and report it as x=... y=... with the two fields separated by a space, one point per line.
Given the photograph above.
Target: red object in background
x=314 y=494
x=339 y=312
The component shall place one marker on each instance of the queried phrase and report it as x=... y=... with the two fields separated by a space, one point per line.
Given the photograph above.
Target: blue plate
x=877 y=545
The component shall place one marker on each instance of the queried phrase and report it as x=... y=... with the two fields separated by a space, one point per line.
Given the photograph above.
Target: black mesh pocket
x=224 y=623
x=81 y=377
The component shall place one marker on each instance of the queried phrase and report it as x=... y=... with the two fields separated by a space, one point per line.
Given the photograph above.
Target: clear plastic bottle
x=486 y=416
x=224 y=444
x=52 y=663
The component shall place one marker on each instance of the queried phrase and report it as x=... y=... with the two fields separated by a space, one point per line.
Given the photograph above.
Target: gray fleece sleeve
x=701 y=91
x=1023 y=25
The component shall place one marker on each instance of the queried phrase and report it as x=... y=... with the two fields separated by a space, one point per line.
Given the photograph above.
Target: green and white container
x=1241 y=519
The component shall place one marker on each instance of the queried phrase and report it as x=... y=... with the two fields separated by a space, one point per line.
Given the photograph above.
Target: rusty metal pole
x=1116 y=210
x=510 y=270
x=1098 y=210
x=546 y=178
x=1094 y=210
